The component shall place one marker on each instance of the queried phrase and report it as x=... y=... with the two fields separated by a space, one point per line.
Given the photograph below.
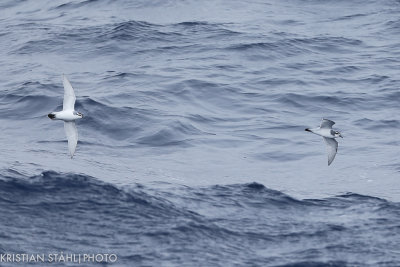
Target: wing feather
x=332 y=147
x=326 y=124
x=69 y=95
x=72 y=136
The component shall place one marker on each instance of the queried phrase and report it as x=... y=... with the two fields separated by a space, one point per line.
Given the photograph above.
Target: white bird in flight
x=329 y=135
x=68 y=115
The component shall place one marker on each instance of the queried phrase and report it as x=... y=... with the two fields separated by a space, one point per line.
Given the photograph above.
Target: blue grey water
x=192 y=149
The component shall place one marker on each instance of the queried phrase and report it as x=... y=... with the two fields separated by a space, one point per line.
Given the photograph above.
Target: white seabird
x=329 y=135
x=68 y=115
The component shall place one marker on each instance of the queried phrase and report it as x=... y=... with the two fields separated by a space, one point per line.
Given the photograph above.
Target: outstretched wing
x=72 y=136
x=326 y=124
x=332 y=147
x=69 y=95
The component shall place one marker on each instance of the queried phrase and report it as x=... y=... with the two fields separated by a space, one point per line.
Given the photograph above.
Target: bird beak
x=341 y=135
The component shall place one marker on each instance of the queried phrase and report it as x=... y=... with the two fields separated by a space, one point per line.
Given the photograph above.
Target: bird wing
x=326 y=124
x=332 y=147
x=72 y=136
x=69 y=95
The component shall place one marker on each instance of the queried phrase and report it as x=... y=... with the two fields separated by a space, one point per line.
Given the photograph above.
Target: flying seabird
x=329 y=135
x=68 y=115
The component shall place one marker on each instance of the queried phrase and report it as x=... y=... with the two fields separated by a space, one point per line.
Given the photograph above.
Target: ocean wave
x=350 y=101
x=85 y=209
x=378 y=125
x=289 y=47
x=53 y=187
x=205 y=93
x=79 y=4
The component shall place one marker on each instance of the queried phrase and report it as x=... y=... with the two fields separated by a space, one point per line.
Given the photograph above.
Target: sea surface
x=192 y=149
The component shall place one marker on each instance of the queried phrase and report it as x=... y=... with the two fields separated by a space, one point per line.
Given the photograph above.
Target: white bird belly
x=66 y=115
x=326 y=133
x=323 y=132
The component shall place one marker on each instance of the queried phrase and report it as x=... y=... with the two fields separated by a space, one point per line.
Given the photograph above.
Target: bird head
x=337 y=134
x=80 y=115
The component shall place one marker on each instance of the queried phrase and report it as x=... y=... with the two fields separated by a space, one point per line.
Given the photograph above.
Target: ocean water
x=192 y=149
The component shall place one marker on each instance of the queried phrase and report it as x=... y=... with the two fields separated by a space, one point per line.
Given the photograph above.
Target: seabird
x=68 y=115
x=329 y=135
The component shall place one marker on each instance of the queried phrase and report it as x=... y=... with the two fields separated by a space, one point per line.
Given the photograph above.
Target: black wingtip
x=51 y=116
x=307 y=130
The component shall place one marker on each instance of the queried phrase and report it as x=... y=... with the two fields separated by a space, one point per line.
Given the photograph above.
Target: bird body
x=68 y=115
x=329 y=135
x=65 y=115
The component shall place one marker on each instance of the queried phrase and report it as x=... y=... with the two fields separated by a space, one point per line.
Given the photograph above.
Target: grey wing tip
x=325 y=119
x=329 y=163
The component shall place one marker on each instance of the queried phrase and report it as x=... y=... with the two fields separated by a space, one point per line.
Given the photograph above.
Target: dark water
x=192 y=150
x=241 y=224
